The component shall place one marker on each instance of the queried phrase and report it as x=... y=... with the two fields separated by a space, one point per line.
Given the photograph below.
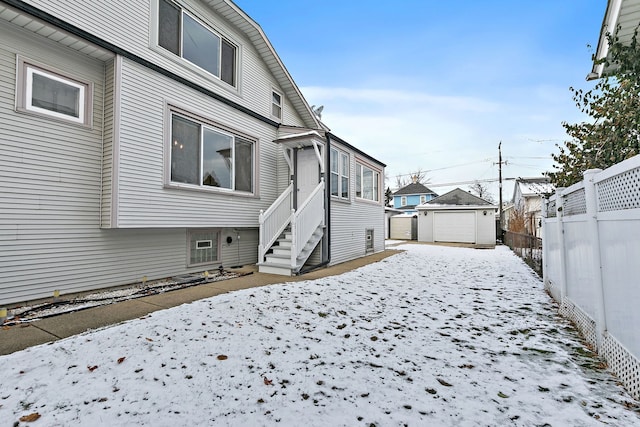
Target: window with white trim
x=367 y=183
x=48 y=92
x=423 y=199
x=182 y=34
x=339 y=174
x=204 y=247
x=276 y=105
x=403 y=201
x=206 y=156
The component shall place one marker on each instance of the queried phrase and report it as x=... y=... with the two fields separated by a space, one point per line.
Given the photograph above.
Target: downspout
x=326 y=239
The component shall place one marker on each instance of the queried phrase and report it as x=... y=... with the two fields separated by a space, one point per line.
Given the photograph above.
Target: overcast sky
x=436 y=85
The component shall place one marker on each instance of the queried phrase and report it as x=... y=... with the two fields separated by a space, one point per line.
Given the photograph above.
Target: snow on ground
x=435 y=335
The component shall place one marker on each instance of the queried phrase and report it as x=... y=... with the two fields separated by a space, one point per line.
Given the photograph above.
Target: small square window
x=50 y=93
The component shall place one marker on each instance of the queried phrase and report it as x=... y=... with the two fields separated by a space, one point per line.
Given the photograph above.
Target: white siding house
x=125 y=152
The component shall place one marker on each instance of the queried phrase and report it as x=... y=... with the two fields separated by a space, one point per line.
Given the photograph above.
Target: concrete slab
x=182 y=296
x=19 y=337
x=75 y=323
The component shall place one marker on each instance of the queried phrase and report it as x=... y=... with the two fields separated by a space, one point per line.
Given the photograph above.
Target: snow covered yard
x=435 y=335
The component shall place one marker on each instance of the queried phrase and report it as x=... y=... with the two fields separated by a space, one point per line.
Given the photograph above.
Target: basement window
x=203 y=247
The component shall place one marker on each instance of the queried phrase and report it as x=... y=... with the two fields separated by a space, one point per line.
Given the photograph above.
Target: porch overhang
x=302 y=140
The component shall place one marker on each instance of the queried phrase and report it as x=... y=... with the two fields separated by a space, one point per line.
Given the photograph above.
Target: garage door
x=457 y=227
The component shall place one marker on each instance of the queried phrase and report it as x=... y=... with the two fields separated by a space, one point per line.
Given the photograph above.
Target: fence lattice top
x=619 y=192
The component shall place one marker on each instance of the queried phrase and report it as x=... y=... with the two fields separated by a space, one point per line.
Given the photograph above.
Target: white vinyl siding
x=350 y=221
x=254 y=83
x=143 y=201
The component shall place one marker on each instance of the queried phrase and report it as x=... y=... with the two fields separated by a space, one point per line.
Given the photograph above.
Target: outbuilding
x=457 y=217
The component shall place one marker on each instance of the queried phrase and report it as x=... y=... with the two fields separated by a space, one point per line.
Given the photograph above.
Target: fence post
x=545 y=246
x=563 y=251
x=591 y=199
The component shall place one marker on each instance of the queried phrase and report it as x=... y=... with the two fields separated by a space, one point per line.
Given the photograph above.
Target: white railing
x=306 y=220
x=274 y=220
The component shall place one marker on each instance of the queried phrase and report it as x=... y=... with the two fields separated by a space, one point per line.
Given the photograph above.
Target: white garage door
x=457 y=227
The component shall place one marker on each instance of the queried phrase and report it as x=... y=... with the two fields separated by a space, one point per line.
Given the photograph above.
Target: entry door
x=307 y=173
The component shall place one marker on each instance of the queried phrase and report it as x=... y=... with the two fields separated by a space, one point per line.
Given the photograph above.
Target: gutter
x=72 y=29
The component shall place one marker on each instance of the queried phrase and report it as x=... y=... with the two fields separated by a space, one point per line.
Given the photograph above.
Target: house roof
x=530 y=187
x=31 y=17
x=413 y=188
x=254 y=32
x=456 y=197
x=621 y=18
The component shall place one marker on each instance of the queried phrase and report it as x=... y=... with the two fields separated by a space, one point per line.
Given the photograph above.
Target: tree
x=419 y=176
x=517 y=220
x=481 y=191
x=388 y=197
x=613 y=104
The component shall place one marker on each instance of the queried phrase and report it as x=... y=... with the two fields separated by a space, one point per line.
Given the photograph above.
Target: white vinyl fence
x=591 y=257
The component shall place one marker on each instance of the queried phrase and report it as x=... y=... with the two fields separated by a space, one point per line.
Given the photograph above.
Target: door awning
x=301 y=140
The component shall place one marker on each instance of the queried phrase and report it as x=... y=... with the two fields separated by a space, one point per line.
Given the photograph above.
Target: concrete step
x=269 y=268
x=282 y=260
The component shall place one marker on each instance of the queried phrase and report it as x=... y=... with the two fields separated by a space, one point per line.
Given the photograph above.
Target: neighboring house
x=458 y=217
x=527 y=201
x=157 y=138
x=408 y=197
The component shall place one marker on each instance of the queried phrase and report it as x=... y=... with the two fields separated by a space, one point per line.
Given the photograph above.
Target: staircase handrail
x=274 y=220
x=306 y=220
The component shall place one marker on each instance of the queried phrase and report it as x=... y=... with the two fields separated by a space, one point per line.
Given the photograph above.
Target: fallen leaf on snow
x=502 y=395
x=92 y=368
x=443 y=382
x=30 y=418
x=267 y=381
x=222 y=357
x=120 y=360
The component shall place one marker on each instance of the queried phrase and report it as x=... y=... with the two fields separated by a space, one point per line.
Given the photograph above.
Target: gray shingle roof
x=414 y=188
x=459 y=197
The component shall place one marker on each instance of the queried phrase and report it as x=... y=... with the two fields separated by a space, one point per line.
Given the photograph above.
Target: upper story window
x=183 y=35
x=367 y=183
x=339 y=174
x=276 y=104
x=403 y=201
x=423 y=199
x=205 y=156
x=51 y=93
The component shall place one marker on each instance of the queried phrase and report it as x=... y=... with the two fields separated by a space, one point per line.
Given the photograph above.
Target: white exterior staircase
x=289 y=236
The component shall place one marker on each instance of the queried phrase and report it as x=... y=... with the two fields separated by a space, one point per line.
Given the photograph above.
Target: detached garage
x=457 y=217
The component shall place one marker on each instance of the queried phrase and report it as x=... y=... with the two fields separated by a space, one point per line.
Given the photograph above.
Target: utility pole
x=500 y=185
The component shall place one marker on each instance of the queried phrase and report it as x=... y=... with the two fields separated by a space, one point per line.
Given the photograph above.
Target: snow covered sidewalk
x=435 y=335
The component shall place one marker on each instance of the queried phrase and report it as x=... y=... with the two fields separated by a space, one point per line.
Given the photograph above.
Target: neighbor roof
x=535 y=186
x=457 y=197
x=414 y=188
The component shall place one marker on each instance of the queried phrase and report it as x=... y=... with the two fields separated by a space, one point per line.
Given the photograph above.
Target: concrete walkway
x=19 y=337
